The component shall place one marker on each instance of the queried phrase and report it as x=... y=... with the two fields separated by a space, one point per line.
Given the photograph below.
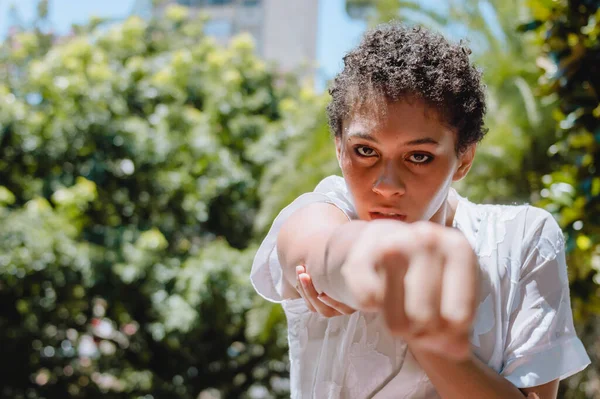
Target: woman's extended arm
x=471 y=378
x=422 y=276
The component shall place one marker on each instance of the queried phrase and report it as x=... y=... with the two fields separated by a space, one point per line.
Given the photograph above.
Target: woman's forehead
x=413 y=119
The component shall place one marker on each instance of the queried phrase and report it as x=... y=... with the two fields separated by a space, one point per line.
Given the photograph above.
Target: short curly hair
x=395 y=62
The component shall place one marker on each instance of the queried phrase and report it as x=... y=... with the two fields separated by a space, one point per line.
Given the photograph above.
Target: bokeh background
x=146 y=146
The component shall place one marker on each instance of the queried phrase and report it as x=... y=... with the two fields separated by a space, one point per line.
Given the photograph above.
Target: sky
x=337 y=33
x=64 y=13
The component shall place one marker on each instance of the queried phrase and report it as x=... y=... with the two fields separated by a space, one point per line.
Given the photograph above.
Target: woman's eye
x=420 y=158
x=365 y=151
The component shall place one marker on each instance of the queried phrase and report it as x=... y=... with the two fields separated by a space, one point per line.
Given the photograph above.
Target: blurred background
x=146 y=146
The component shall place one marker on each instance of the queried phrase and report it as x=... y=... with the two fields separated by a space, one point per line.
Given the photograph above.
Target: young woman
x=452 y=299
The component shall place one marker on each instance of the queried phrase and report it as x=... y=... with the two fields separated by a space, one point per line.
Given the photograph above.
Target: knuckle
x=386 y=245
x=421 y=228
x=366 y=303
x=413 y=280
x=457 y=242
x=461 y=242
x=419 y=316
x=367 y=300
x=423 y=319
x=427 y=236
x=456 y=239
x=459 y=321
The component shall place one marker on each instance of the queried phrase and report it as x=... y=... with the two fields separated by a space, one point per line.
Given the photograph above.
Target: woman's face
x=401 y=165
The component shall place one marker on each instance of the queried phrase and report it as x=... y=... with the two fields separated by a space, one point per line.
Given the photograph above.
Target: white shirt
x=523 y=328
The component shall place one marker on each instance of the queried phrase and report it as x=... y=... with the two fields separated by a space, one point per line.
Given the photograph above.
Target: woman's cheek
x=351 y=167
x=345 y=161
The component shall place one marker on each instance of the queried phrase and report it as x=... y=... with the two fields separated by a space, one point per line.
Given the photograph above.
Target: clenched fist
x=422 y=276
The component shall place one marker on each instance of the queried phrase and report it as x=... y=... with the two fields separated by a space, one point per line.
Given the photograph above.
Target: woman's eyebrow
x=367 y=136
x=424 y=140
x=362 y=135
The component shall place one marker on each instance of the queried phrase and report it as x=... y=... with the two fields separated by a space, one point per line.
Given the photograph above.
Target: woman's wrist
x=468 y=377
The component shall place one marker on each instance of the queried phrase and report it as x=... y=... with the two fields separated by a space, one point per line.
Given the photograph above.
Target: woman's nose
x=389 y=183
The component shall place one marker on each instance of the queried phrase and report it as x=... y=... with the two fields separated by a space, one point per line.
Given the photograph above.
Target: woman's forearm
x=303 y=239
x=325 y=264
x=470 y=378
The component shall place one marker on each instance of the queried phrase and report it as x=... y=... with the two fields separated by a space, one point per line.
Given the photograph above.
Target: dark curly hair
x=394 y=62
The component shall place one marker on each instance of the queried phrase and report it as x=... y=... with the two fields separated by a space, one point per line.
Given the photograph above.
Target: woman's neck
x=445 y=215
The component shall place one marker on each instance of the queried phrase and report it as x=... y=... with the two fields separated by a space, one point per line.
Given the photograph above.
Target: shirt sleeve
x=266 y=275
x=541 y=343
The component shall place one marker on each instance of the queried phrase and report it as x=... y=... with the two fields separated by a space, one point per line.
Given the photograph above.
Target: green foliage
x=131 y=157
x=569 y=33
x=308 y=158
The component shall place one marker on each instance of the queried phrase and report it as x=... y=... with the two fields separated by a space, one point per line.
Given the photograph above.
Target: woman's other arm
x=303 y=241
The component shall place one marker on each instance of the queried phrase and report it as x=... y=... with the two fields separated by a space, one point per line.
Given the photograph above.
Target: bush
x=130 y=161
x=569 y=33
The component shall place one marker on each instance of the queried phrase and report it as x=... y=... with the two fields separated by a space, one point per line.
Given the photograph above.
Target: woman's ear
x=338 y=150
x=465 y=161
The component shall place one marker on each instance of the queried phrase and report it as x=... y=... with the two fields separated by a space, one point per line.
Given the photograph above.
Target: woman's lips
x=387 y=215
